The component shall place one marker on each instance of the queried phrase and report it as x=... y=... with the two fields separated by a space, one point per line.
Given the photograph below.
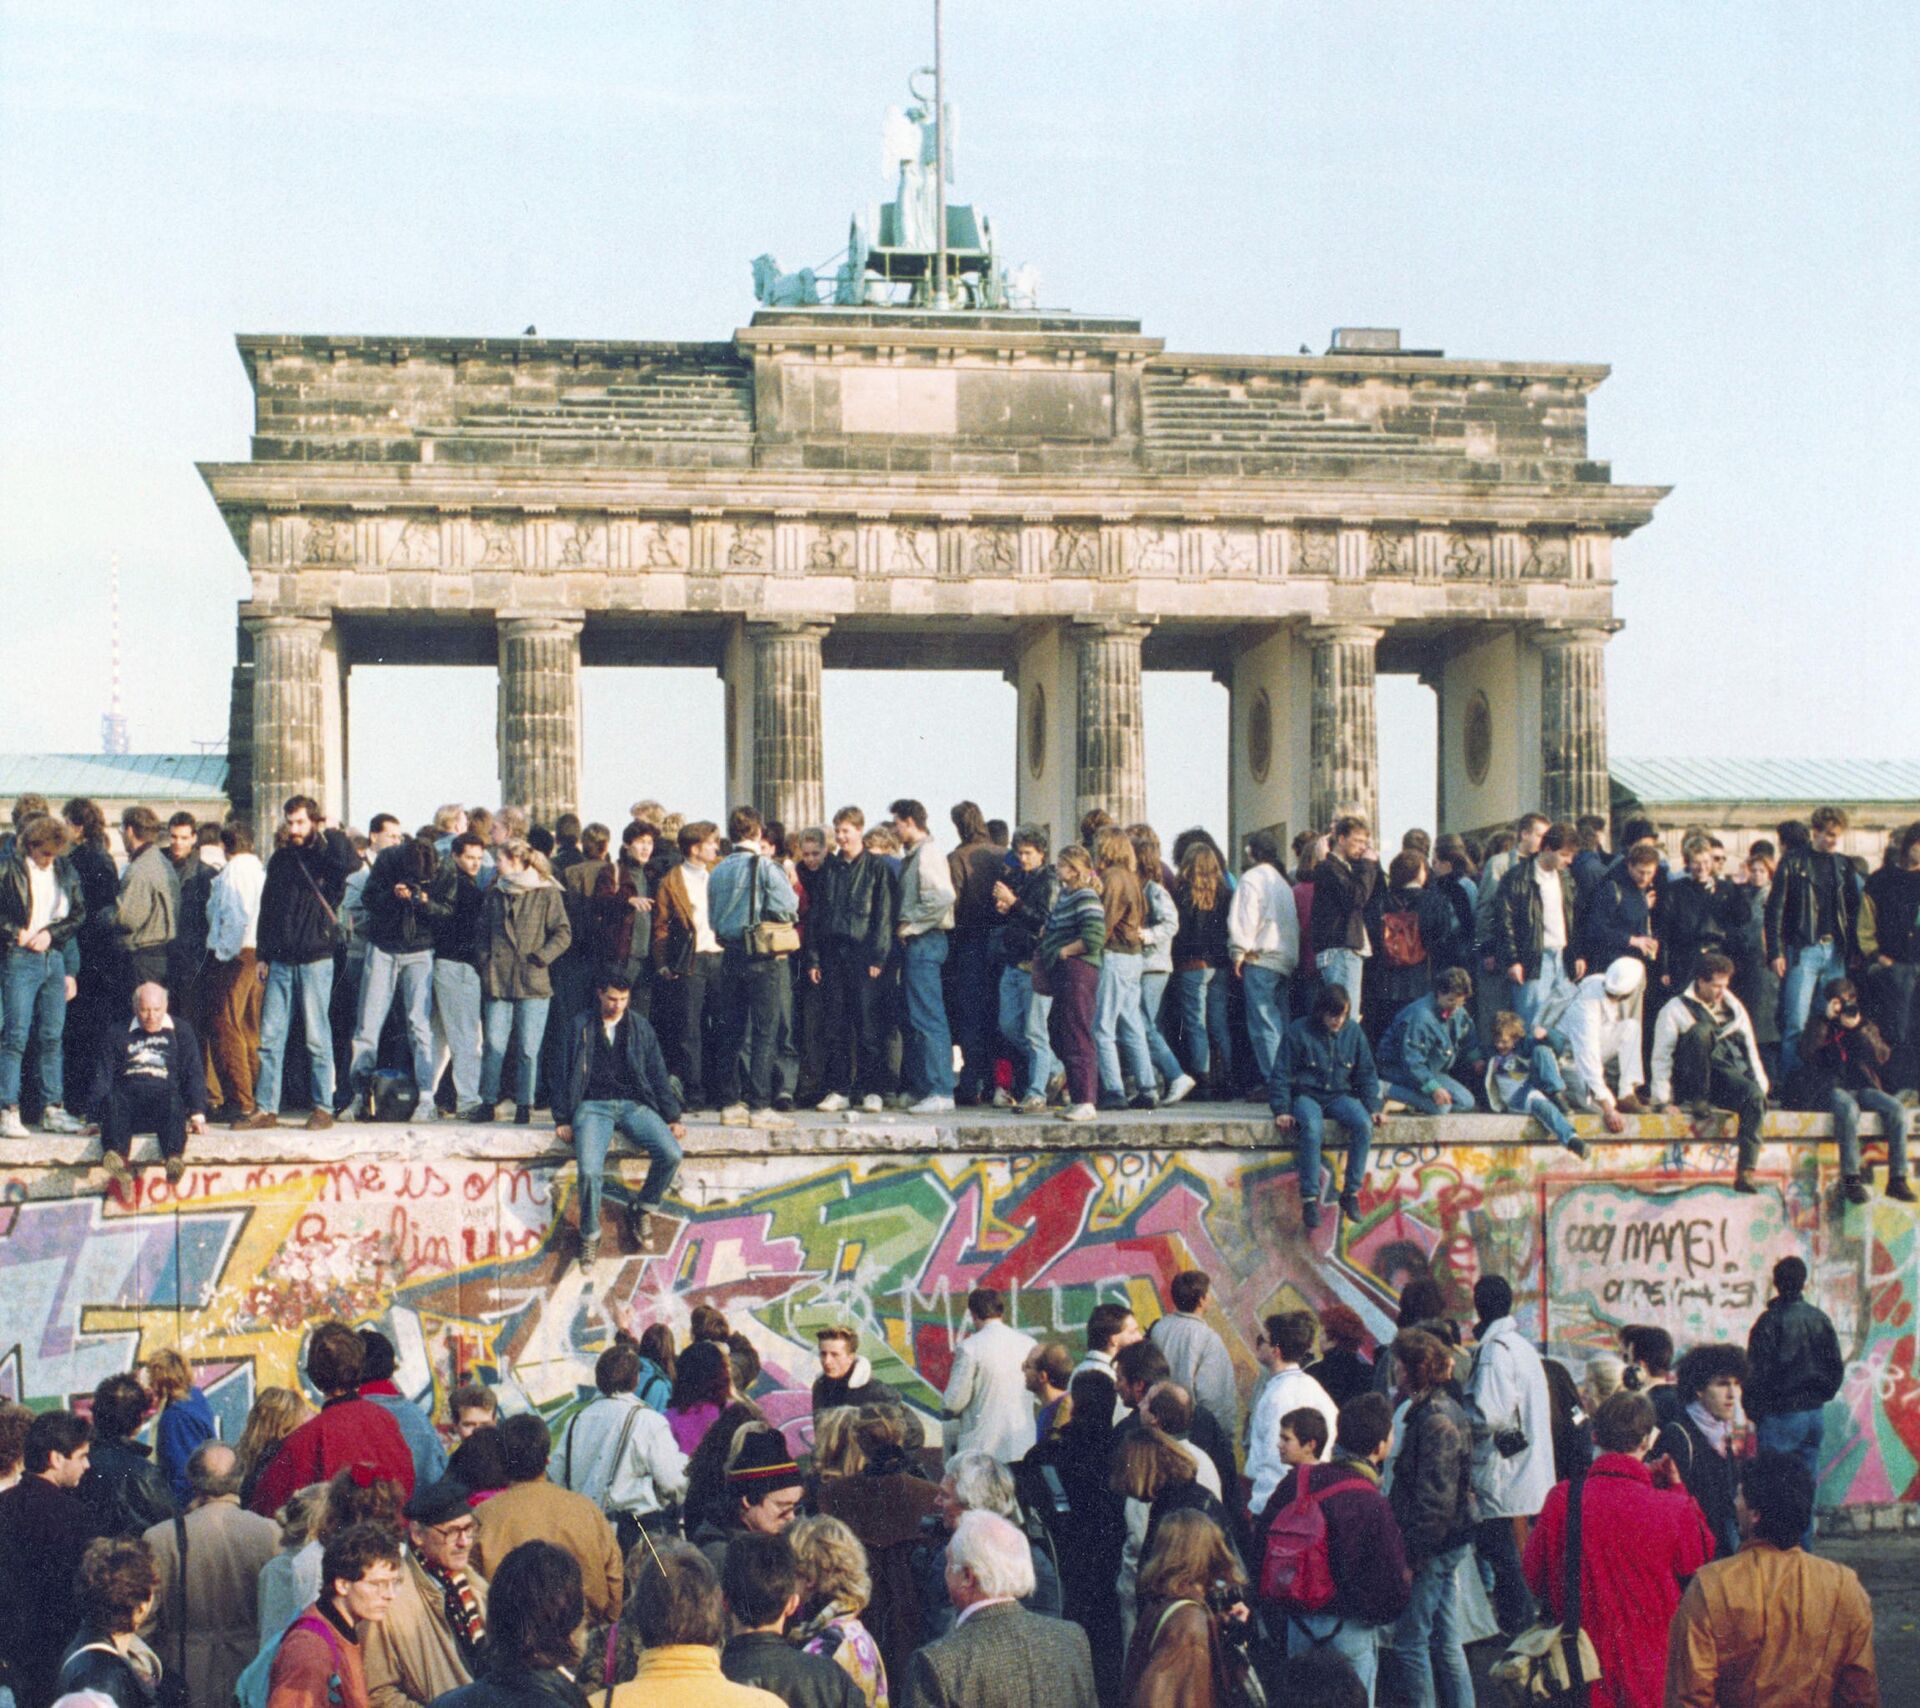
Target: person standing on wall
x=1813 y=913
x=924 y=920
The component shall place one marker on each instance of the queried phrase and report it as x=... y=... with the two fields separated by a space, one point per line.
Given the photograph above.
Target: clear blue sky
x=1719 y=199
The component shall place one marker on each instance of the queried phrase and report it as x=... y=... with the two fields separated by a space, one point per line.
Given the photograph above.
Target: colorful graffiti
x=468 y=1264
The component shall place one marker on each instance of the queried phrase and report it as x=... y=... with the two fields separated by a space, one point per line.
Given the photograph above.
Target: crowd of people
x=1117 y=1531
x=483 y=965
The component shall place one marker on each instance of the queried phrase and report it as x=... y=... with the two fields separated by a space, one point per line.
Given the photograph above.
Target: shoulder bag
x=1552 y=1666
x=767 y=938
x=172 y=1692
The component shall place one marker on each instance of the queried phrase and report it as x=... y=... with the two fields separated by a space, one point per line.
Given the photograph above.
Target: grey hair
x=993 y=1553
x=1605 y=1374
x=982 y=1484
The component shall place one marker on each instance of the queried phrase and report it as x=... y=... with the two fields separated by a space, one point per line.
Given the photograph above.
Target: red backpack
x=1295 y=1572
x=1400 y=940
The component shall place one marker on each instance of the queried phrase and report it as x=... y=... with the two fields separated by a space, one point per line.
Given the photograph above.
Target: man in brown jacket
x=430 y=1639
x=1774 y=1626
x=531 y=1509
x=226 y=1547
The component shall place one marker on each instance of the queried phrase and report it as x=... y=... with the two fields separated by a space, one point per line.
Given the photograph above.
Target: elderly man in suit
x=998 y=1655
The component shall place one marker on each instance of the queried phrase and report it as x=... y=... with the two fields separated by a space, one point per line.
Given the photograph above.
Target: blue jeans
x=1536 y=1095
x=1346 y=968
x=1153 y=997
x=1796 y=1433
x=1426 y=1661
x=1422 y=1104
x=1119 y=1025
x=524 y=1020
x=928 y=1056
x=1549 y=988
x=1200 y=997
x=312 y=983
x=1808 y=968
x=1023 y=1024
x=1266 y=994
x=456 y=999
x=1311 y=1117
x=410 y=977
x=1844 y=1106
x=594 y=1124
x=1359 y=1643
x=36 y=996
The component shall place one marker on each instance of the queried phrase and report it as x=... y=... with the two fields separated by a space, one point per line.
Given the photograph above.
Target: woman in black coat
x=113 y=1594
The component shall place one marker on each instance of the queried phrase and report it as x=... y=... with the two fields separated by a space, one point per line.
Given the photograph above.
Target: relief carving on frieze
x=994 y=551
x=1314 y=552
x=1468 y=557
x=1073 y=551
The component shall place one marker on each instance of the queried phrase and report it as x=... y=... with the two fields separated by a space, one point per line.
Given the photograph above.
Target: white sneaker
x=57 y=1120
x=934 y=1105
x=426 y=1111
x=1181 y=1087
x=1033 y=1104
x=1081 y=1112
x=11 y=1126
x=831 y=1104
x=768 y=1118
x=871 y=1104
x=1002 y=1099
x=735 y=1115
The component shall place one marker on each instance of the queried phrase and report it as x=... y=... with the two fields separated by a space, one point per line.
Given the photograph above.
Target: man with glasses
x=430 y=1639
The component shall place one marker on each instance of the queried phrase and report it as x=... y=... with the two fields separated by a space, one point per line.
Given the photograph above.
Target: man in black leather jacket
x=1024 y=898
x=759 y=1584
x=1794 y=1367
x=125 y=1490
x=849 y=935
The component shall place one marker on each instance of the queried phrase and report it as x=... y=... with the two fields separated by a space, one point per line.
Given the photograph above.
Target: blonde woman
x=834 y=1588
x=1119 y=1017
x=182 y=1419
x=1178 y=1653
x=523 y=931
x=276 y=1414
x=836 y=1445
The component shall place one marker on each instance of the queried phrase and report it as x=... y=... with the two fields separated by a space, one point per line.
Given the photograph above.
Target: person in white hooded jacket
x=1263 y=939
x=1512 y=1418
x=1602 y=1029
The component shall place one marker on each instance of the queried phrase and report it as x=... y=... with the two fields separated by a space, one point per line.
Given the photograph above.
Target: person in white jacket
x=1602 y=1029
x=1705 y=1057
x=230 y=994
x=1263 y=941
x=986 y=1395
x=1282 y=1347
x=1512 y=1417
x=619 y=1452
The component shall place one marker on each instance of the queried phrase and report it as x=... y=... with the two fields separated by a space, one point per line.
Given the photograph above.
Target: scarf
x=464 y=1618
x=1719 y=1435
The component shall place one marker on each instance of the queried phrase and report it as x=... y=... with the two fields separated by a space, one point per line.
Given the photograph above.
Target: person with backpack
x=1641 y=1537
x=621 y=1454
x=1332 y=1562
x=1188 y=1650
x=1397 y=970
x=317 y=1661
x=1431 y=1495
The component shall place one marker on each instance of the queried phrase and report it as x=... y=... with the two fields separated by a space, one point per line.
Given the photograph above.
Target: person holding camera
x=1843 y=1060
x=1190 y=1643
x=1512 y=1416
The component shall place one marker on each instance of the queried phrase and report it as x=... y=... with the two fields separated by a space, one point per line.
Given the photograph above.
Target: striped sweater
x=1077 y=916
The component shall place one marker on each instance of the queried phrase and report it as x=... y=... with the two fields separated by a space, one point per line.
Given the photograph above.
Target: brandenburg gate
x=865 y=483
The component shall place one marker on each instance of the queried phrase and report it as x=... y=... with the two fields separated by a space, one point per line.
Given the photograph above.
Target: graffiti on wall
x=468 y=1267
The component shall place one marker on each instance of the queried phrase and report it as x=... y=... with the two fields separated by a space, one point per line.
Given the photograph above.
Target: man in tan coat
x=226 y=1547
x=428 y=1642
x=532 y=1509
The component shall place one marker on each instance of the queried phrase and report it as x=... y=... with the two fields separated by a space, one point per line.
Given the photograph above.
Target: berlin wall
x=463 y=1255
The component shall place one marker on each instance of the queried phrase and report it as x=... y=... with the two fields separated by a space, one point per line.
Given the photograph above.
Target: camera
x=1510 y=1442
x=1222 y=1599
x=1631 y=1378
x=1849 y=1010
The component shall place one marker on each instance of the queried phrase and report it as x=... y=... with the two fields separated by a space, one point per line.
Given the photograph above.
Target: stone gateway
x=1052 y=495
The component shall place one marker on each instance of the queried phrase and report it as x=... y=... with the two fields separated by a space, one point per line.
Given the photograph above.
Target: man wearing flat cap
x=431 y=1639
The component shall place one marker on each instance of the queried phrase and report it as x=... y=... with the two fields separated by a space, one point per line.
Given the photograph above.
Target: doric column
x=289 y=715
x=1344 y=774
x=788 y=762
x=1111 y=746
x=539 y=731
x=1573 y=722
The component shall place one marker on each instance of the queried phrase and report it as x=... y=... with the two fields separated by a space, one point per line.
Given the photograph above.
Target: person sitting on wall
x=1324 y=1068
x=150 y=1078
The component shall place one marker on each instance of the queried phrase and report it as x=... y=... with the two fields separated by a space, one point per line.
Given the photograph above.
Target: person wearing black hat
x=764 y=1488
x=433 y=1636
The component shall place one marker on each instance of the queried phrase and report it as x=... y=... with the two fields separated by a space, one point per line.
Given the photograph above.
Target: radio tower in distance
x=113 y=721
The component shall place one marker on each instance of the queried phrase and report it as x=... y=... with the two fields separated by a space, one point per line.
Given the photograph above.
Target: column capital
x=515 y=624
x=286 y=622
x=1116 y=623
x=1358 y=634
x=771 y=628
x=1576 y=634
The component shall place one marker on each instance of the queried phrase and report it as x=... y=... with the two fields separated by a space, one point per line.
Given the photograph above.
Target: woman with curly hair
x=113 y=1594
x=181 y=1421
x=834 y=1590
x=276 y=1414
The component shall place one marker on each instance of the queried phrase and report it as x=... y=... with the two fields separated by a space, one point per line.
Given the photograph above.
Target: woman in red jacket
x=1642 y=1536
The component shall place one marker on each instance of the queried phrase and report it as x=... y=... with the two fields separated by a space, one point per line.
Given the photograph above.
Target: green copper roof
x=1788 y=781
x=115 y=776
